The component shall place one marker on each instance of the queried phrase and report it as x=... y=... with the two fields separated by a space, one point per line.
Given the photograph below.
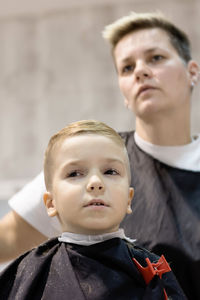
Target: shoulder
x=126 y=134
x=45 y=248
x=30 y=267
x=32 y=256
x=129 y=140
x=140 y=253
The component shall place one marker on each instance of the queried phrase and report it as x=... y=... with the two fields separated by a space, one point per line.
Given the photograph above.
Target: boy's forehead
x=88 y=141
x=80 y=146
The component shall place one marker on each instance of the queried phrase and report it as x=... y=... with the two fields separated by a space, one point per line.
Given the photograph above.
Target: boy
x=87 y=177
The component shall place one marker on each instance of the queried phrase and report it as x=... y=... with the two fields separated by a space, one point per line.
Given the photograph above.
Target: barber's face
x=152 y=76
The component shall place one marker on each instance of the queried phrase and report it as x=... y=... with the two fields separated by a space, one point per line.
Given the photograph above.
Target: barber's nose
x=142 y=71
x=95 y=184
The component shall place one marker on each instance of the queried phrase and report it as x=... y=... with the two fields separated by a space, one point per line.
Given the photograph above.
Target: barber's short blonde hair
x=138 y=21
x=82 y=127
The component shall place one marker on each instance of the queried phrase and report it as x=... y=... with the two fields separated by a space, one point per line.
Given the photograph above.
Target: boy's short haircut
x=74 y=129
x=138 y=21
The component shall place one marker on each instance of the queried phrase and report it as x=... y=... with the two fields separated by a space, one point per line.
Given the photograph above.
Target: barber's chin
x=147 y=109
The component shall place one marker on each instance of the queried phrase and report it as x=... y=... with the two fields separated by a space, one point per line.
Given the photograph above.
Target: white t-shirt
x=185 y=157
x=28 y=202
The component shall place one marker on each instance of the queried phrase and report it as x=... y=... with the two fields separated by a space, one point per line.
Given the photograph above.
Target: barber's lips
x=145 y=89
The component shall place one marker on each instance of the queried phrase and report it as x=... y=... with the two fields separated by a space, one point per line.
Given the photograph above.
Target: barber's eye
x=157 y=57
x=111 y=172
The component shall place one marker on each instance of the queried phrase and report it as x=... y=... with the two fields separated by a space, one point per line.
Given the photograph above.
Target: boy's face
x=152 y=76
x=90 y=188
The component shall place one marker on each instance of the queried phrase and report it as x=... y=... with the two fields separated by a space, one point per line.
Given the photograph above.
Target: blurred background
x=55 y=68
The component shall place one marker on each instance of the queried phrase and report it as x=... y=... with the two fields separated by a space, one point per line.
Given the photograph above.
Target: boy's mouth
x=96 y=202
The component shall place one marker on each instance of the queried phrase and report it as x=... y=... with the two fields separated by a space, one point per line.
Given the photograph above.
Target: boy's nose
x=95 y=184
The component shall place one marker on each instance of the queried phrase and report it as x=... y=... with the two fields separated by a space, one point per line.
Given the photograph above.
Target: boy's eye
x=74 y=174
x=111 y=172
x=127 y=69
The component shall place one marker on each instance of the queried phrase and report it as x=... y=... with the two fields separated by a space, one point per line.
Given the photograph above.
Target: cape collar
x=87 y=240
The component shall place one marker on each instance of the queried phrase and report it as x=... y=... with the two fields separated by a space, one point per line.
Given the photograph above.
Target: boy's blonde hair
x=74 y=129
x=138 y=21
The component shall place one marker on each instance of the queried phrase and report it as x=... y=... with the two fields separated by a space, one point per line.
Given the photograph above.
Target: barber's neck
x=165 y=131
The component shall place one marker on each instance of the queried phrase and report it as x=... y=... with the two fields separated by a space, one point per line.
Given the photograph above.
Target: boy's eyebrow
x=71 y=164
x=80 y=161
x=114 y=160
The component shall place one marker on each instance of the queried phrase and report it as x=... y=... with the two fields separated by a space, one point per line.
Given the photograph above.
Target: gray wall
x=55 y=68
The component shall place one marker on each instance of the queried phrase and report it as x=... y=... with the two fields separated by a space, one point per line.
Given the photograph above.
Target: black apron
x=166 y=214
x=103 y=271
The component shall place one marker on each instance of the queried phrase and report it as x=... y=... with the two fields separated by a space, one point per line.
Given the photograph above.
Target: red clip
x=153 y=269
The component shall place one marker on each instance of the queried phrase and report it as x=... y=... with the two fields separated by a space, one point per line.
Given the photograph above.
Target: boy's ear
x=50 y=204
x=131 y=194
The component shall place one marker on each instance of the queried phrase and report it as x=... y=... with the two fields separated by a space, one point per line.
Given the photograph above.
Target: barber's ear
x=131 y=194
x=193 y=70
x=50 y=204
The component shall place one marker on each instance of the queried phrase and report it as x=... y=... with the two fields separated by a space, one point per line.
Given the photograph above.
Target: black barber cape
x=166 y=214
x=103 y=271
